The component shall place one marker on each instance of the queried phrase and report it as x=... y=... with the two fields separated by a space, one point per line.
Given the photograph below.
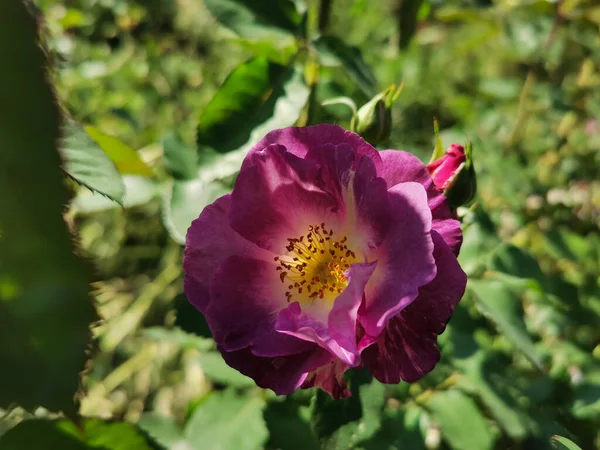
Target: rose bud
x=454 y=174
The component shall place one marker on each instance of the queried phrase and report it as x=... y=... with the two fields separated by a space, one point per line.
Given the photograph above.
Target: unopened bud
x=373 y=121
x=454 y=174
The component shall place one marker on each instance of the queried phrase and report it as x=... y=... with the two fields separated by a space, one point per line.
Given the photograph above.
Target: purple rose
x=327 y=255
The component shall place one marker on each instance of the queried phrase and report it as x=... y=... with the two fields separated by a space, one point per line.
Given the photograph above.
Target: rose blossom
x=327 y=255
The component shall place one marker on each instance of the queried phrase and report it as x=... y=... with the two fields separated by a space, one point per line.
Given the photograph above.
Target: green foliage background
x=162 y=99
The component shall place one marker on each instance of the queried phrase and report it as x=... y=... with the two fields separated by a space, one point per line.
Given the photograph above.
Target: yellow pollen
x=317 y=260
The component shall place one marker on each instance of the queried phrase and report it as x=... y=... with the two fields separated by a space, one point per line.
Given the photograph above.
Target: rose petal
x=277 y=198
x=293 y=322
x=330 y=378
x=210 y=241
x=400 y=167
x=335 y=332
x=405 y=260
x=343 y=315
x=300 y=140
x=407 y=349
x=282 y=374
x=247 y=296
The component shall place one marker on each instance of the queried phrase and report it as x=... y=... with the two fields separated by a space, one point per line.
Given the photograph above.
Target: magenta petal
x=247 y=296
x=300 y=140
x=294 y=322
x=342 y=318
x=278 y=197
x=445 y=224
x=400 y=167
x=282 y=374
x=407 y=349
x=210 y=241
x=336 y=333
x=372 y=204
x=330 y=378
x=405 y=259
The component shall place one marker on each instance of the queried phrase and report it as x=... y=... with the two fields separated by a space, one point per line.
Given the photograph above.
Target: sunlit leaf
x=226 y=421
x=87 y=163
x=180 y=160
x=217 y=370
x=162 y=429
x=517 y=262
x=138 y=191
x=257 y=97
x=503 y=308
x=126 y=159
x=477 y=379
x=185 y=201
x=460 y=420
x=562 y=443
x=479 y=239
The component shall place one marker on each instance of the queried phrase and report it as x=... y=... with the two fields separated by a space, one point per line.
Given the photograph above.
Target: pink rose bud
x=443 y=170
x=454 y=175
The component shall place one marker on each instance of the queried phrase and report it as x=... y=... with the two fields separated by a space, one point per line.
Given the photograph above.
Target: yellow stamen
x=317 y=260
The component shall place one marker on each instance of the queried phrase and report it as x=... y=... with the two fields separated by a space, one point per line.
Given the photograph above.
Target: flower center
x=315 y=264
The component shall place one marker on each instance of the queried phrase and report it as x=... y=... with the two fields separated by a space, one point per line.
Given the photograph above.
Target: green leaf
x=185 y=202
x=334 y=52
x=562 y=443
x=257 y=97
x=476 y=370
x=343 y=423
x=106 y=435
x=39 y=435
x=216 y=369
x=586 y=397
x=400 y=429
x=226 y=421
x=86 y=163
x=180 y=160
x=281 y=109
x=43 y=434
x=43 y=283
x=280 y=51
x=460 y=420
x=138 y=191
x=480 y=238
x=287 y=429
x=126 y=159
x=517 y=262
x=162 y=429
x=329 y=415
x=503 y=308
x=256 y=18
x=246 y=108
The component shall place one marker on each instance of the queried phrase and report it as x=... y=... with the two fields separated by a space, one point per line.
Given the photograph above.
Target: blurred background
x=153 y=83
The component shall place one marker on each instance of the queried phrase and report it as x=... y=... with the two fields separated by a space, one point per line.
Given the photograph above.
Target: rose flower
x=327 y=255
